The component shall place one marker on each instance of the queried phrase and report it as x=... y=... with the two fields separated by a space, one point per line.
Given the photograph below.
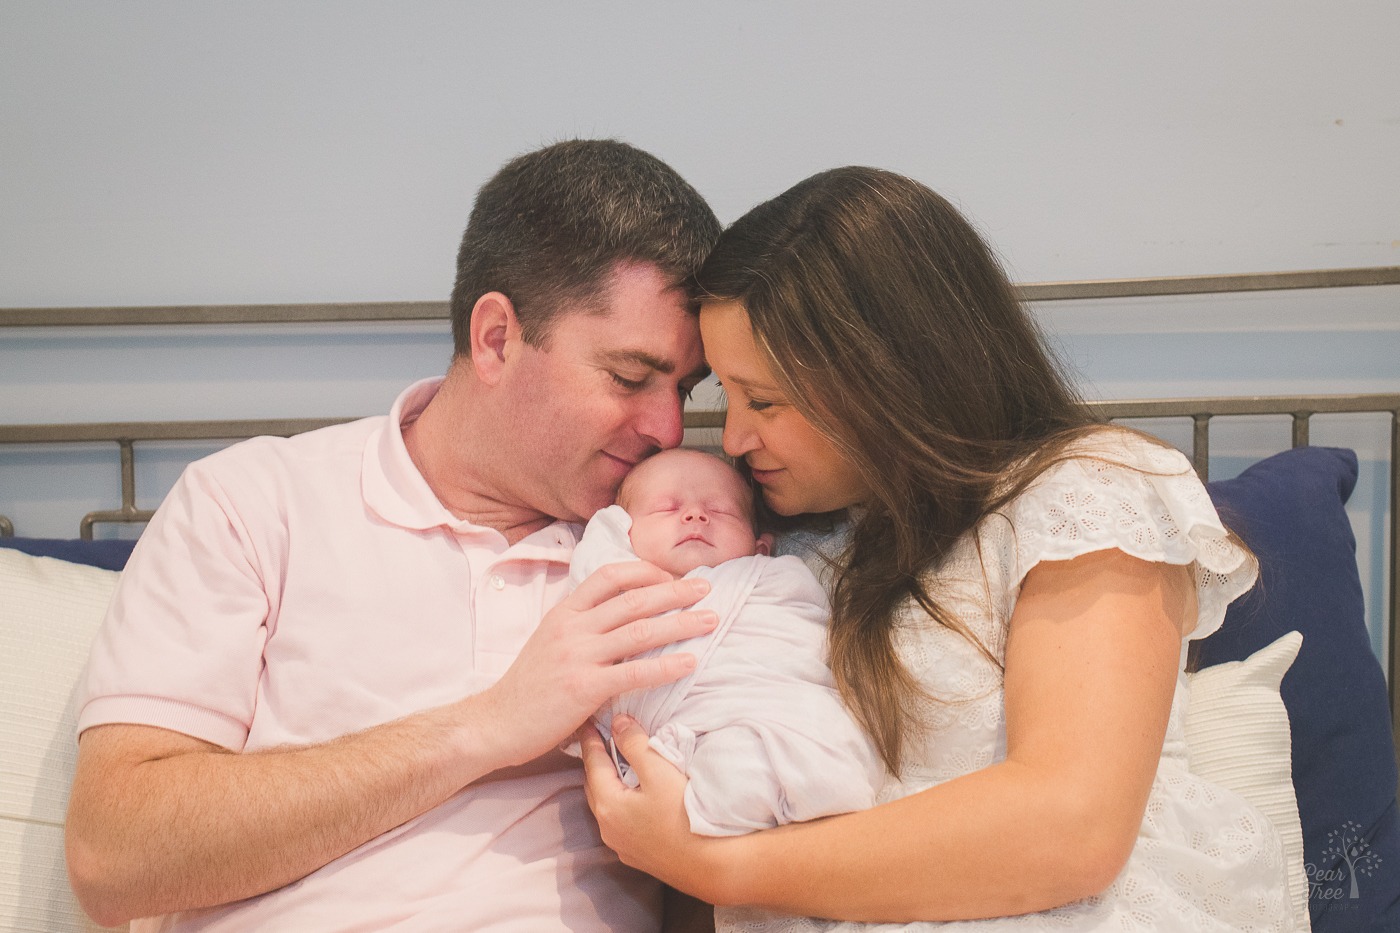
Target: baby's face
x=689 y=509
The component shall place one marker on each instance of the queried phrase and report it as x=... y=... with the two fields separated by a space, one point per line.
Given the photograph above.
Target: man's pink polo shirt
x=290 y=591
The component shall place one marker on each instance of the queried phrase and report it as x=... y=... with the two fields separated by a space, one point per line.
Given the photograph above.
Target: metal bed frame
x=1201 y=411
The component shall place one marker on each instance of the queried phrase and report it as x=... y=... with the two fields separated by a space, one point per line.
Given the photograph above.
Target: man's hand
x=578 y=657
x=151 y=830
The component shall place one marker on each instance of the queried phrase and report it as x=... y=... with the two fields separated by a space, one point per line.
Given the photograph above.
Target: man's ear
x=494 y=332
x=764 y=544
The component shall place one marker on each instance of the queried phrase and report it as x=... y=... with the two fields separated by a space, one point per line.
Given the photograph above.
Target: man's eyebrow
x=619 y=357
x=650 y=361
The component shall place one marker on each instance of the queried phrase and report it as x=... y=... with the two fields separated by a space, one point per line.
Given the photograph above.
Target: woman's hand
x=1091 y=663
x=647 y=825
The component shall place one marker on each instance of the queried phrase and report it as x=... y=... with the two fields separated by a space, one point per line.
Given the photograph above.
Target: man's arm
x=160 y=822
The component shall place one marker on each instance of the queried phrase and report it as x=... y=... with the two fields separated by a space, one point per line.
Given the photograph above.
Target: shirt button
x=497 y=582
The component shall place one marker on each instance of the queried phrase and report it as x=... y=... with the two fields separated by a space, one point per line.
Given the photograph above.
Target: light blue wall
x=196 y=153
x=174 y=152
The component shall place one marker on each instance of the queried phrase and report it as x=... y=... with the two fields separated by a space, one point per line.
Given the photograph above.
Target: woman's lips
x=763 y=476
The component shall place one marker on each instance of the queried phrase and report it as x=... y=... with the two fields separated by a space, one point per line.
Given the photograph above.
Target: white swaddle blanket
x=758 y=726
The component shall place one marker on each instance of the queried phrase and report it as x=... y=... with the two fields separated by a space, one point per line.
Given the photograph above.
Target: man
x=334 y=676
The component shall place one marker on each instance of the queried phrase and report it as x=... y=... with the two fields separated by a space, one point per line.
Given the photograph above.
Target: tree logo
x=1354 y=858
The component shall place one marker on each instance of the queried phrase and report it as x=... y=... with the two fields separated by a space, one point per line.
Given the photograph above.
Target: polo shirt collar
x=394 y=490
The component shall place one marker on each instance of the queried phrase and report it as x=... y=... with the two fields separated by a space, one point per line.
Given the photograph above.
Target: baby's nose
x=696 y=514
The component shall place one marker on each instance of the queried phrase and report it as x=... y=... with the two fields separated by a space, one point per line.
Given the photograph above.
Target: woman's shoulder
x=1124 y=448
x=1111 y=477
x=1117 y=488
x=1107 y=460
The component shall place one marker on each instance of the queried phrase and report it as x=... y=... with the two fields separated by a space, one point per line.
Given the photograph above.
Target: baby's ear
x=764 y=544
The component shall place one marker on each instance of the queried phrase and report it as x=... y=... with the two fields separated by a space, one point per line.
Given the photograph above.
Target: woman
x=1011 y=598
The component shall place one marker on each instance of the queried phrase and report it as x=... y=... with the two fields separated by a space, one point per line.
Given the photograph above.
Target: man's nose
x=662 y=422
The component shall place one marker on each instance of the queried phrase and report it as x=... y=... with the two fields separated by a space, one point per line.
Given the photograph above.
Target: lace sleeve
x=1121 y=491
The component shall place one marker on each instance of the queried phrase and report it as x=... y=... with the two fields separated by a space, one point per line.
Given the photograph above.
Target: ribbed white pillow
x=1237 y=736
x=49 y=612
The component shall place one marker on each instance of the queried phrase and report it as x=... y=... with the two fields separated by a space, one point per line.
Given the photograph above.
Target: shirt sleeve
x=181 y=646
x=1123 y=491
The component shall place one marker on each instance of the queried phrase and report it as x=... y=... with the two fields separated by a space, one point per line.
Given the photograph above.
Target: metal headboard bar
x=437 y=310
x=227 y=314
x=126 y=434
x=128 y=512
x=1200 y=410
x=118 y=431
x=1208 y=284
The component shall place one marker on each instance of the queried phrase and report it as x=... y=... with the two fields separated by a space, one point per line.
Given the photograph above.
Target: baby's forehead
x=673 y=470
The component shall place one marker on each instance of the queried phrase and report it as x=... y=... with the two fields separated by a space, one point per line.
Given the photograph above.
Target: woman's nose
x=737 y=440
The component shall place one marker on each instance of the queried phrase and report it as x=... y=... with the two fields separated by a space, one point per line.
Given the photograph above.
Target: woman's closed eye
x=753 y=404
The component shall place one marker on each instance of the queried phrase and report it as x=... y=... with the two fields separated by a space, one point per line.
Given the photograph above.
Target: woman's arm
x=1091 y=664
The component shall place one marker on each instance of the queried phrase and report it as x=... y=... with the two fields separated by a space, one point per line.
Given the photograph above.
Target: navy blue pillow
x=109 y=555
x=1290 y=510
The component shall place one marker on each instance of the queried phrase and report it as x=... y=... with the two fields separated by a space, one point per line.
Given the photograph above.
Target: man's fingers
x=645 y=634
x=645 y=673
x=607 y=612
x=613 y=579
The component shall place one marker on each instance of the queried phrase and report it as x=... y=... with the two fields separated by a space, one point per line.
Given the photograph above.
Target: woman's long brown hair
x=891 y=326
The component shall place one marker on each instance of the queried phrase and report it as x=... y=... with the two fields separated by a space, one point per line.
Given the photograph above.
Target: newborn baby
x=689 y=509
x=758 y=726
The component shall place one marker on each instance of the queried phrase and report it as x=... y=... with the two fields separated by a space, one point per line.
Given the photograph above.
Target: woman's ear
x=493 y=328
x=764 y=544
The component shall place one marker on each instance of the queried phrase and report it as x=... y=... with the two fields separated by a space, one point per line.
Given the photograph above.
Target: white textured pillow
x=49 y=612
x=1237 y=736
